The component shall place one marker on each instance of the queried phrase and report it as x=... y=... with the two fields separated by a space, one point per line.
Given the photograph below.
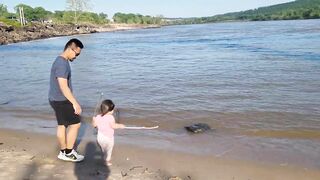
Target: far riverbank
x=10 y=34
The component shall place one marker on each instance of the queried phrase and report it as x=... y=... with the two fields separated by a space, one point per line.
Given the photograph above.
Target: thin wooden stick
x=137 y=128
x=97 y=105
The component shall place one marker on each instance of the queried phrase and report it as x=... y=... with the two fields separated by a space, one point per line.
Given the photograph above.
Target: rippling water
x=256 y=83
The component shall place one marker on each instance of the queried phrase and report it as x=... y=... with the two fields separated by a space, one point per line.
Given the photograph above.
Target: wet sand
x=26 y=155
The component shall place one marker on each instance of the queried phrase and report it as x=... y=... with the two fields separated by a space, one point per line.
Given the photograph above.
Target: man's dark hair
x=74 y=41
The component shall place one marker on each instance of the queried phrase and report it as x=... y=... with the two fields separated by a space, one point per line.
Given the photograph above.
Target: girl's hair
x=106 y=106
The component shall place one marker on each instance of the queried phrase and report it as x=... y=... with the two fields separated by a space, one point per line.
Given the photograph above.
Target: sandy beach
x=26 y=155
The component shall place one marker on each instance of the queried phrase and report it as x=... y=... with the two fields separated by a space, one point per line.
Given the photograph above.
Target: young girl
x=106 y=124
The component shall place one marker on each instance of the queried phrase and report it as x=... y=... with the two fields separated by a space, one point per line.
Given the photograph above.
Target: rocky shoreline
x=10 y=34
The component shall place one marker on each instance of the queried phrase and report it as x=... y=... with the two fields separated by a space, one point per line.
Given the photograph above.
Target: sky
x=167 y=8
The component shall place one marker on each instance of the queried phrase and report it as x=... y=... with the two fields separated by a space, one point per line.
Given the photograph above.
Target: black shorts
x=65 y=113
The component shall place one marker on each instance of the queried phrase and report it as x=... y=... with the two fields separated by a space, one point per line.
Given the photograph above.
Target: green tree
x=3 y=10
x=90 y=17
x=103 y=15
x=68 y=17
x=58 y=15
x=77 y=7
x=40 y=14
x=28 y=11
x=136 y=19
x=306 y=13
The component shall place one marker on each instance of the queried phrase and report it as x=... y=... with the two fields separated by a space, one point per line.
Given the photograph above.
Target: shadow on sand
x=93 y=166
x=81 y=133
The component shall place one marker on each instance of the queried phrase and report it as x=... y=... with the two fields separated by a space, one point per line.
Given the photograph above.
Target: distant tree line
x=136 y=19
x=74 y=15
x=299 y=9
x=39 y=14
x=64 y=17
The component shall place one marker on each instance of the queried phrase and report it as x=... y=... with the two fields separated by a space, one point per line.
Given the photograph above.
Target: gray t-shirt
x=60 y=68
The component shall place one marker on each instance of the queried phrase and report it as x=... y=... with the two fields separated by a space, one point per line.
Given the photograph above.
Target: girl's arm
x=118 y=126
x=115 y=125
x=94 y=122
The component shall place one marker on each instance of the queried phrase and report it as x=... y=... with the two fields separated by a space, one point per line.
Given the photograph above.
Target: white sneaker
x=73 y=156
x=62 y=156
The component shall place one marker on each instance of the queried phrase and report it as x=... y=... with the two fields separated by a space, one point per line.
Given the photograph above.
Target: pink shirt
x=104 y=124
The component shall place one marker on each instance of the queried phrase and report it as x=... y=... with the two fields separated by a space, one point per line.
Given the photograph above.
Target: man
x=62 y=100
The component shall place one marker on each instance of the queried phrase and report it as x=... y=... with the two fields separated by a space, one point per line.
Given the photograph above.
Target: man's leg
x=72 y=135
x=61 y=135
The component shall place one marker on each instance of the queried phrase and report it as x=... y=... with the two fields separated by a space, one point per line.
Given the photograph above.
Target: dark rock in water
x=4 y=103
x=198 y=128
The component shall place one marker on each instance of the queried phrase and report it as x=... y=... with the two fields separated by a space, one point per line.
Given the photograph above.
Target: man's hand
x=66 y=91
x=77 y=108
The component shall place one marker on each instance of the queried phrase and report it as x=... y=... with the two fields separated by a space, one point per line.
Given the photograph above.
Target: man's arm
x=66 y=91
